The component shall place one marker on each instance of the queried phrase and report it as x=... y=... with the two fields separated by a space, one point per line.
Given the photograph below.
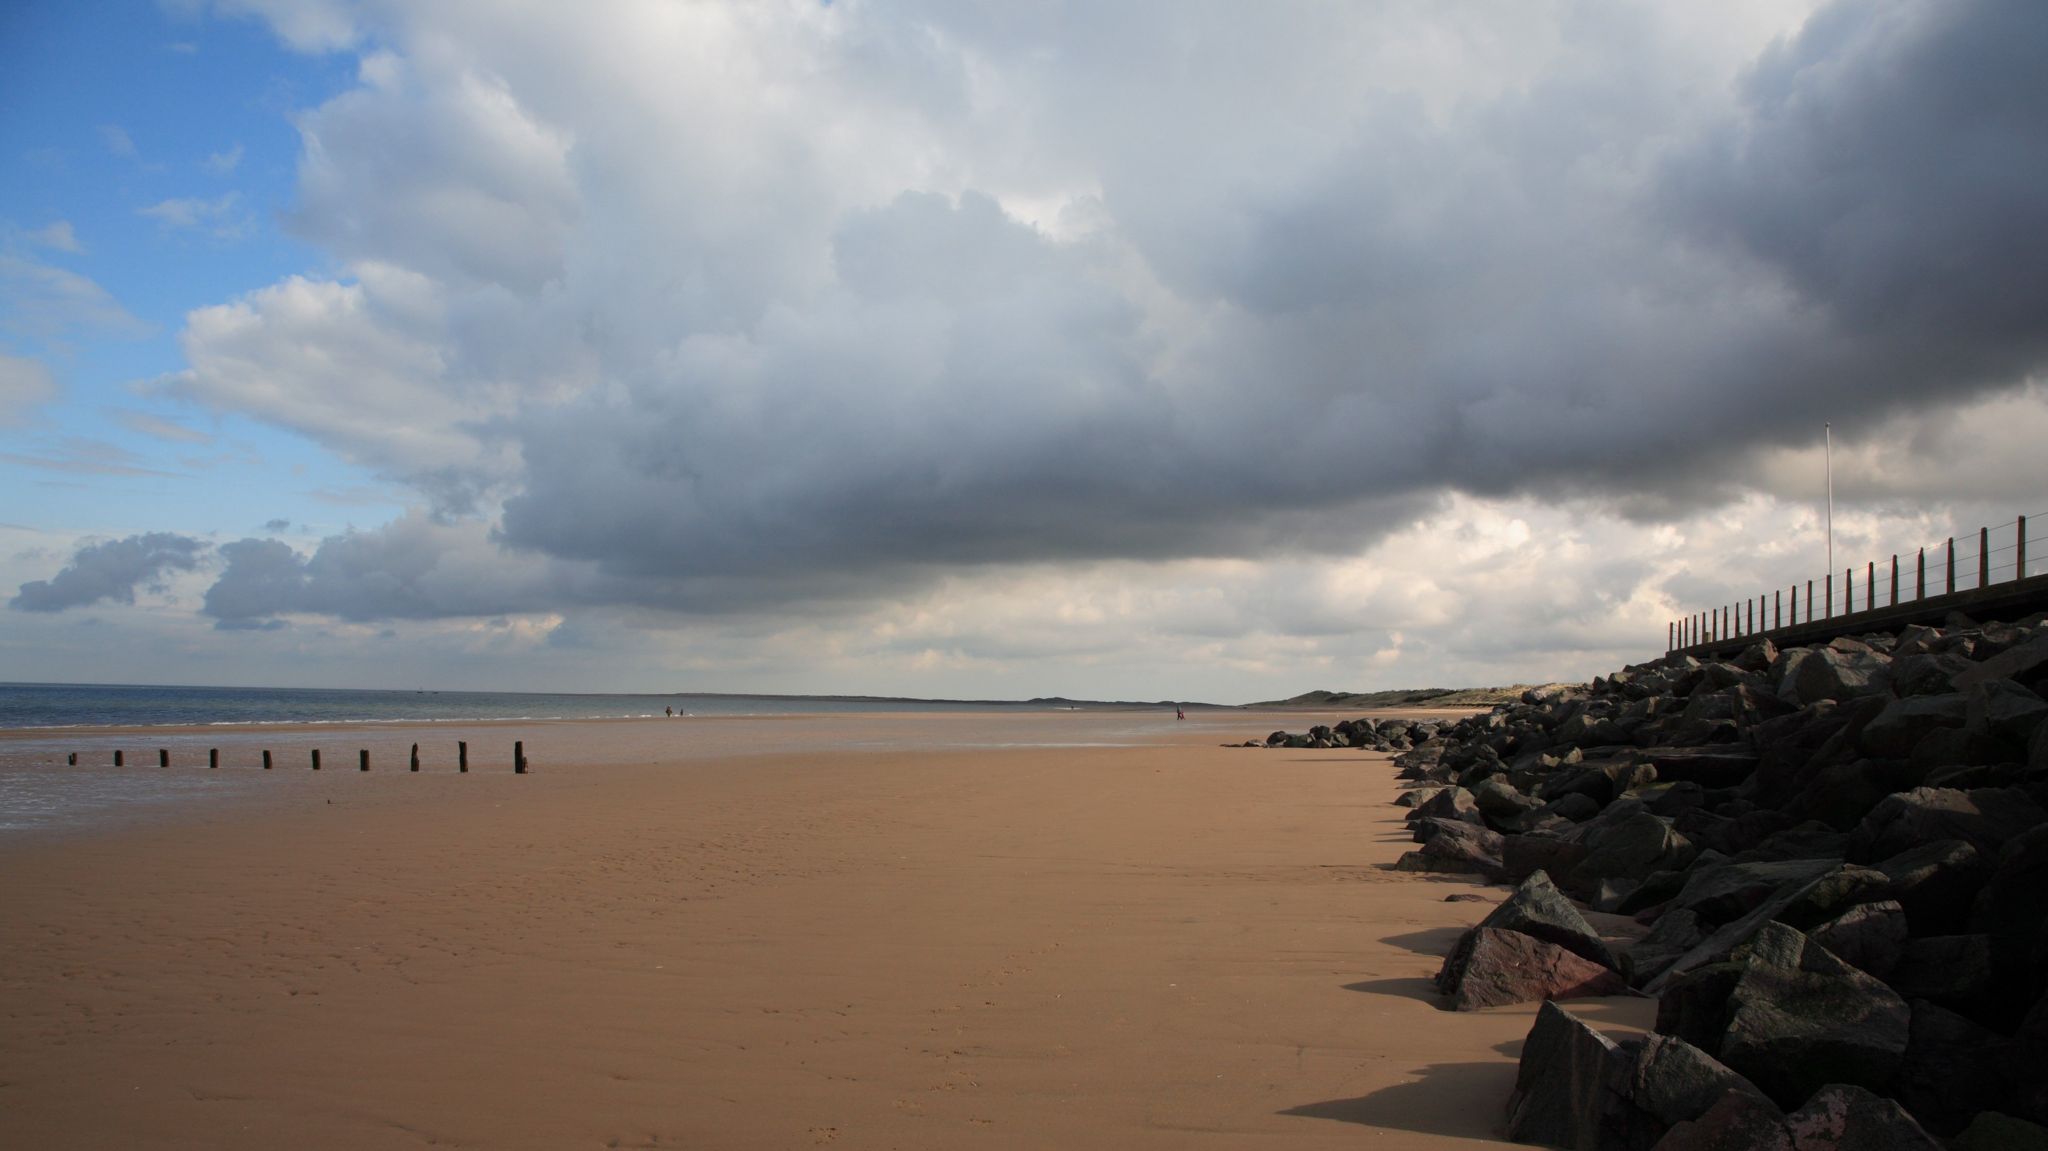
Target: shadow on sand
x=1435 y=942
x=1447 y=1099
x=1418 y=988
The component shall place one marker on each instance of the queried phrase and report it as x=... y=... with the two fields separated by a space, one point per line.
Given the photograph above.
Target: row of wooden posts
x=163 y=757
x=1741 y=619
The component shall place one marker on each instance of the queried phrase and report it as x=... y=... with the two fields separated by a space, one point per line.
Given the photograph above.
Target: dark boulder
x=1675 y=933
x=1868 y=936
x=2005 y=711
x=1736 y=1122
x=1451 y=803
x=1455 y=847
x=1953 y=1069
x=1952 y=970
x=1525 y=855
x=1895 y=731
x=1492 y=968
x=1706 y=766
x=1659 y=1081
x=1928 y=673
x=1630 y=848
x=1560 y=1094
x=1992 y=1131
x=1845 y=1117
x=2013 y=910
x=1828 y=673
x=1986 y=818
x=1936 y=883
x=1730 y=891
x=1833 y=893
x=1800 y=1018
x=1538 y=909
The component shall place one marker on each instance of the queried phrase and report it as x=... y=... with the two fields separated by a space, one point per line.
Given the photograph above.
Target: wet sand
x=908 y=931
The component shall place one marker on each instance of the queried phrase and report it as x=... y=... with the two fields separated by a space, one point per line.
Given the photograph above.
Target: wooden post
x=1830 y=609
x=117 y=757
x=2020 y=572
x=1920 y=576
x=1848 y=591
x=1670 y=637
x=415 y=757
x=462 y=755
x=163 y=757
x=363 y=760
x=1778 y=608
x=1752 y=613
x=1983 y=557
x=1870 y=586
x=266 y=759
x=316 y=759
x=1951 y=565
x=519 y=757
x=213 y=757
x=1795 y=604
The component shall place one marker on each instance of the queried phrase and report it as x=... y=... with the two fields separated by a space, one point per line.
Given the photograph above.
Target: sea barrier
x=1996 y=582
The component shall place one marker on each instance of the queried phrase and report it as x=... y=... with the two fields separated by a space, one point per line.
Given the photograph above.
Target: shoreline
x=1151 y=945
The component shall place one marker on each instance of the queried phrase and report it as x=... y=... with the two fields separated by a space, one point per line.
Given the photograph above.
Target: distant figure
x=1178 y=713
x=671 y=712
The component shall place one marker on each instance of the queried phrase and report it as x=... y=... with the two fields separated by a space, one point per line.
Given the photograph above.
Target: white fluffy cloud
x=723 y=310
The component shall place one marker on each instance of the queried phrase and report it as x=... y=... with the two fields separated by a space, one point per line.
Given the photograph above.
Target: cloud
x=50 y=305
x=223 y=163
x=24 y=384
x=118 y=142
x=704 y=309
x=160 y=428
x=57 y=236
x=111 y=570
x=221 y=217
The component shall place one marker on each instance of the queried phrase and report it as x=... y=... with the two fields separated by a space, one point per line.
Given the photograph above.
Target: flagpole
x=1828 y=437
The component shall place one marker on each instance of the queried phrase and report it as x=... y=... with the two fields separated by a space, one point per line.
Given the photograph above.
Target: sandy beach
x=856 y=931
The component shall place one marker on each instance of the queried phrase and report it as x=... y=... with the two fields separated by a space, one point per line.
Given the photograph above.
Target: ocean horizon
x=33 y=706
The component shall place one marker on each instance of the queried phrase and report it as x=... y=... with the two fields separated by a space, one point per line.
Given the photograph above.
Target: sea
x=76 y=757
x=64 y=705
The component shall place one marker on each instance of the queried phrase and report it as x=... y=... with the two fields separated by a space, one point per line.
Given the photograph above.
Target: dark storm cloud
x=1299 y=314
x=111 y=571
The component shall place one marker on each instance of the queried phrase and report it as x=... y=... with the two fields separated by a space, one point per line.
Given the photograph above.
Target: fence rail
x=2001 y=555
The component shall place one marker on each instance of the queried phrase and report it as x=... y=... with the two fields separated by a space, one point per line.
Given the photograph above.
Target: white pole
x=1828 y=437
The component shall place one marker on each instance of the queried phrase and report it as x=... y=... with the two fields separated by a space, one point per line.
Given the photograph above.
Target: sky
x=1131 y=350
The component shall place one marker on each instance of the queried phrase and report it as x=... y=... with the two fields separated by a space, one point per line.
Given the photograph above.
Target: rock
x=1539 y=910
x=1810 y=840
x=1674 y=934
x=1500 y=803
x=1986 y=818
x=1828 y=673
x=1869 y=936
x=1631 y=848
x=1799 y=1019
x=1706 y=766
x=1491 y=968
x=1928 y=673
x=2005 y=711
x=1903 y=723
x=1736 y=1122
x=1953 y=1069
x=1845 y=1117
x=1457 y=848
x=1465 y=897
x=1833 y=893
x=1415 y=796
x=1733 y=890
x=1525 y=855
x=1451 y=803
x=2013 y=663
x=1952 y=970
x=1659 y=1081
x=1559 y=1096
x=1936 y=883
x=1992 y=1131
x=2013 y=909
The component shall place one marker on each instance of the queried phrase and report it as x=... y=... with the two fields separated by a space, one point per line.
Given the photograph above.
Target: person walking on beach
x=1178 y=713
